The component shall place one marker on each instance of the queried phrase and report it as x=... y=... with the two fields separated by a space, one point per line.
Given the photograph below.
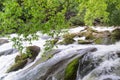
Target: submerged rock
x=2 y=41
x=8 y=52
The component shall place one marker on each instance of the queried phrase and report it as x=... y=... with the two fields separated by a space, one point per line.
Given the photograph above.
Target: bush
x=77 y=21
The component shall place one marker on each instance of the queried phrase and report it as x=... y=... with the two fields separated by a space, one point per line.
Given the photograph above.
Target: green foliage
x=77 y=20
x=71 y=70
x=26 y=17
x=114 y=13
x=50 y=44
x=18 y=41
x=31 y=16
x=105 y=10
x=94 y=9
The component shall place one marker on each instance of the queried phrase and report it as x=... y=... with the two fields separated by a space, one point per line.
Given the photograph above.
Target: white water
x=7 y=60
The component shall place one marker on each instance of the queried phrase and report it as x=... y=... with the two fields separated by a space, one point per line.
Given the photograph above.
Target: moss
x=68 y=38
x=71 y=70
x=69 y=35
x=19 y=65
x=54 y=41
x=32 y=52
x=84 y=42
x=68 y=41
x=23 y=56
x=89 y=36
x=98 y=41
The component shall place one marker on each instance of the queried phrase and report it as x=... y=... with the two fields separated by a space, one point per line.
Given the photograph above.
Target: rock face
x=22 y=60
x=2 y=41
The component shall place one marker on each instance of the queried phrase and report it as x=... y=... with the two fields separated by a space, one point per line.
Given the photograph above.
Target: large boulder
x=33 y=51
x=23 y=59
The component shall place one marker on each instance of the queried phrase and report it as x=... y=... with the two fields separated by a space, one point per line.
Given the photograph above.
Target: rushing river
x=97 y=62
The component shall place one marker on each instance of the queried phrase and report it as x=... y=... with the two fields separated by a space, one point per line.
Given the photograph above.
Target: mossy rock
x=69 y=35
x=115 y=36
x=79 y=34
x=89 y=36
x=98 y=41
x=17 y=66
x=68 y=41
x=54 y=41
x=22 y=59
x=71 y=70
x=23 y=56
x=85 y=42
x=68 y=38
x=33 y=51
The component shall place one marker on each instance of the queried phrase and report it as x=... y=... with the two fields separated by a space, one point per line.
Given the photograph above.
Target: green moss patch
x=19 y=65
x=71 y=70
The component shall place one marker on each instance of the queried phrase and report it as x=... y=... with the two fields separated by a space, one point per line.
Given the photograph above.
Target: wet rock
x=68 y=39
x=8 y=52
x=71 y=70
x=17 y=66
x=108 y=79
x=53 y=68
x=17 y=58
x=33 y=51
x=115 y=36
x=22 y=59
x=101 y=34
x=3 y=41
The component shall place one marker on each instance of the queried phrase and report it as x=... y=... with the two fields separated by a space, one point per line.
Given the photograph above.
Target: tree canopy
x=30 y=16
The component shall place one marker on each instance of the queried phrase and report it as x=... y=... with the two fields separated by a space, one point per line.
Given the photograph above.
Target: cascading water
x=96 y=62
x=103 y=64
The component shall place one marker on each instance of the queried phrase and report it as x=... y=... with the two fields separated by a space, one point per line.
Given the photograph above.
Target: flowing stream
x=96 y=62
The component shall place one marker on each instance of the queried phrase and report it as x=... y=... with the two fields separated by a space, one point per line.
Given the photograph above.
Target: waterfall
x=103 y=64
